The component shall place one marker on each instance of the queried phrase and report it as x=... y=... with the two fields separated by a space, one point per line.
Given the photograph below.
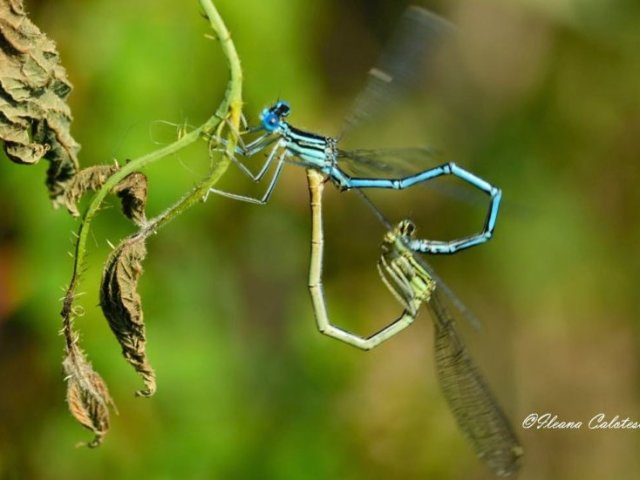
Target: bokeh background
x=546 y=104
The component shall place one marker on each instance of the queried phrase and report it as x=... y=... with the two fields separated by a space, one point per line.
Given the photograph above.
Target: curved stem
x=229 y=112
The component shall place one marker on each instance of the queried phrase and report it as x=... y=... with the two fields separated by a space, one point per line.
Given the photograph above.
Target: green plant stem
x=228 y=112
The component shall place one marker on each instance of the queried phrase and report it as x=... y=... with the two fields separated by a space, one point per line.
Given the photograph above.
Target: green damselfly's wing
x=472 y=403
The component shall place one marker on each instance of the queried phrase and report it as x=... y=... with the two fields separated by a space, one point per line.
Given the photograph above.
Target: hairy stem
x=228 y=113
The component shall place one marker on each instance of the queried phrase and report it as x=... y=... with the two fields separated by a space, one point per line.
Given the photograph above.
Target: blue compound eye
x=281 y=109
x=270 y=121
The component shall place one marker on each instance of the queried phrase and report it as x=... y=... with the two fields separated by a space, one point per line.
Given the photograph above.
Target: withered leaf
x=87 y=394
x=34 y=115
x=132 y=191
x=87 y=179
x=121 y=305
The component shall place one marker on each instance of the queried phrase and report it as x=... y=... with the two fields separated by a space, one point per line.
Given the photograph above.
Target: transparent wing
x=388 y=163
x=402 y=162
x=413 y=46
x=474 y=407
x=454 y=300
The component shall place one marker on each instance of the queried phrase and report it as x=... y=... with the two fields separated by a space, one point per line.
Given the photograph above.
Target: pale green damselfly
x=474 y=407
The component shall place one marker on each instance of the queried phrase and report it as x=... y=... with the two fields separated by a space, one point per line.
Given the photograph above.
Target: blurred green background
x=546 y=105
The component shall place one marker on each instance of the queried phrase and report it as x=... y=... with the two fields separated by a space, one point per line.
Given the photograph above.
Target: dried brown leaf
x=122 y=306
x=132 y=191
x=87 y=179
x=87 y=394
x=34 y=116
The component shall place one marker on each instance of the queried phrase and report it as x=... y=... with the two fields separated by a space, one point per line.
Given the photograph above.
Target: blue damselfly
x=322 y=153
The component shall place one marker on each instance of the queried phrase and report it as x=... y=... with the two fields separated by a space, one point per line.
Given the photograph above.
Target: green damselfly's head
x=272 y=118
x=402 y=273
x=402 y=232
x=406 y=228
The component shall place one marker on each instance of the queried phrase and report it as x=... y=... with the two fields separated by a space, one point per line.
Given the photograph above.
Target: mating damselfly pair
x=407 y=276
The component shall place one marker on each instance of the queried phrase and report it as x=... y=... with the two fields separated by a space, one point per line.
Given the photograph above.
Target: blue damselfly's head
x=271 y=118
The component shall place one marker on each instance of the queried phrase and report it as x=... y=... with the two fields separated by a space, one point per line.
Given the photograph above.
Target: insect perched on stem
x=415 y=41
